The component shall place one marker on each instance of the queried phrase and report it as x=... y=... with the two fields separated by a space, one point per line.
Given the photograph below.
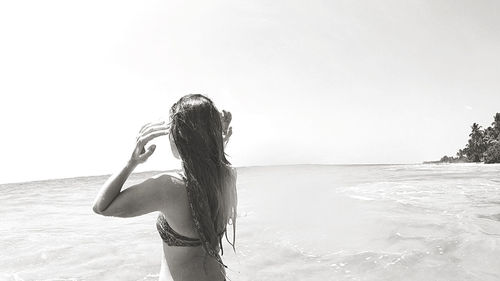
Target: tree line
x=483 y=145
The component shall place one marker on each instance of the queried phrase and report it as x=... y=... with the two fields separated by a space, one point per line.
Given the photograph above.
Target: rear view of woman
x=194 y=207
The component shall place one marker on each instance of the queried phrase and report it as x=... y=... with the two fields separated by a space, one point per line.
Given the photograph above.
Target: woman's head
x=196 y=129
x=196 y=137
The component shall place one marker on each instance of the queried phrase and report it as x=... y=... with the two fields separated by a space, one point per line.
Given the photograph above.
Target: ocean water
x=305 y=222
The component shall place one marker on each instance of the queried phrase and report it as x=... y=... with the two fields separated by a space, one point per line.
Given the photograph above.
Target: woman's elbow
x=96 y=209
x=99 y=210
x=109 y=212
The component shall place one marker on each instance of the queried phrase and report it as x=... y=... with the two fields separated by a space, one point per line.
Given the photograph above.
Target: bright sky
x=327 y=82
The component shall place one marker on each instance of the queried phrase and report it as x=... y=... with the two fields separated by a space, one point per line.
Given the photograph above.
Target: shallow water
x=308 y=222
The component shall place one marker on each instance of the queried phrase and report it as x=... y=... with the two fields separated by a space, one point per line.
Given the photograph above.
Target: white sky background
x=330 y=82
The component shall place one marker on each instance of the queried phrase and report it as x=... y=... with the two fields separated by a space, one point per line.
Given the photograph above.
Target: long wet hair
x=196 y=129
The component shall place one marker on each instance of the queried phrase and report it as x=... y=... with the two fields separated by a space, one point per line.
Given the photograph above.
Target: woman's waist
x=199 y=268
x=180 y=255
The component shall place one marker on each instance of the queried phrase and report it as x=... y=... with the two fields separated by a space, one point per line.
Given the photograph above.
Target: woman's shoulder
x=169 y=179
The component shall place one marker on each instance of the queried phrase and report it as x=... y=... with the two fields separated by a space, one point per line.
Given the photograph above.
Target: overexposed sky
x=327 y=82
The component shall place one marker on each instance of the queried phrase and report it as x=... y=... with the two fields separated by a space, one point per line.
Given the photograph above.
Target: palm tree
x=476 y=145
x=489 y=136
x=475 y=129
x=496 y=126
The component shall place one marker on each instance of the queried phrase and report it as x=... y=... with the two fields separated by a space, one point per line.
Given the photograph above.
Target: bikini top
x=171 y=237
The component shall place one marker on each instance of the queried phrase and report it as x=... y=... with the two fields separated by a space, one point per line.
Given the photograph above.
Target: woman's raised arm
x=112 y=187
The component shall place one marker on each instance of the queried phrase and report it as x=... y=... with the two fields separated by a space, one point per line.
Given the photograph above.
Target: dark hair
x=196 y=128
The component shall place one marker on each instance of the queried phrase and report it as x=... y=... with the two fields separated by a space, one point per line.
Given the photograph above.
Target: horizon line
x=250 y=166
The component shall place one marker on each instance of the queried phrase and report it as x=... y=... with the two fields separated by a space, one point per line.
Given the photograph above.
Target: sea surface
x=304 y=222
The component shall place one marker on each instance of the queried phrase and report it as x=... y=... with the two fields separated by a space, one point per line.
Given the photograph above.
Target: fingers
x=144 y=139
x=143 y=157
x=151 y=129
x=148 y=132
x=151 y=124
x=228 y=134
x=228 y=116
x=226 y=120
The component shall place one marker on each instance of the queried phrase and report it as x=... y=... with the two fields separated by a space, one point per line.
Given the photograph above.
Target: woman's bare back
x=185 y=263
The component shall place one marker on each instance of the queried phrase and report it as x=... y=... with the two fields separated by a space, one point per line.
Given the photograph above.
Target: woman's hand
x=227 y=131
x=147 y=133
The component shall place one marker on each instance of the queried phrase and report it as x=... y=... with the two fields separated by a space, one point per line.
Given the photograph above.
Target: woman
x=195 y=208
